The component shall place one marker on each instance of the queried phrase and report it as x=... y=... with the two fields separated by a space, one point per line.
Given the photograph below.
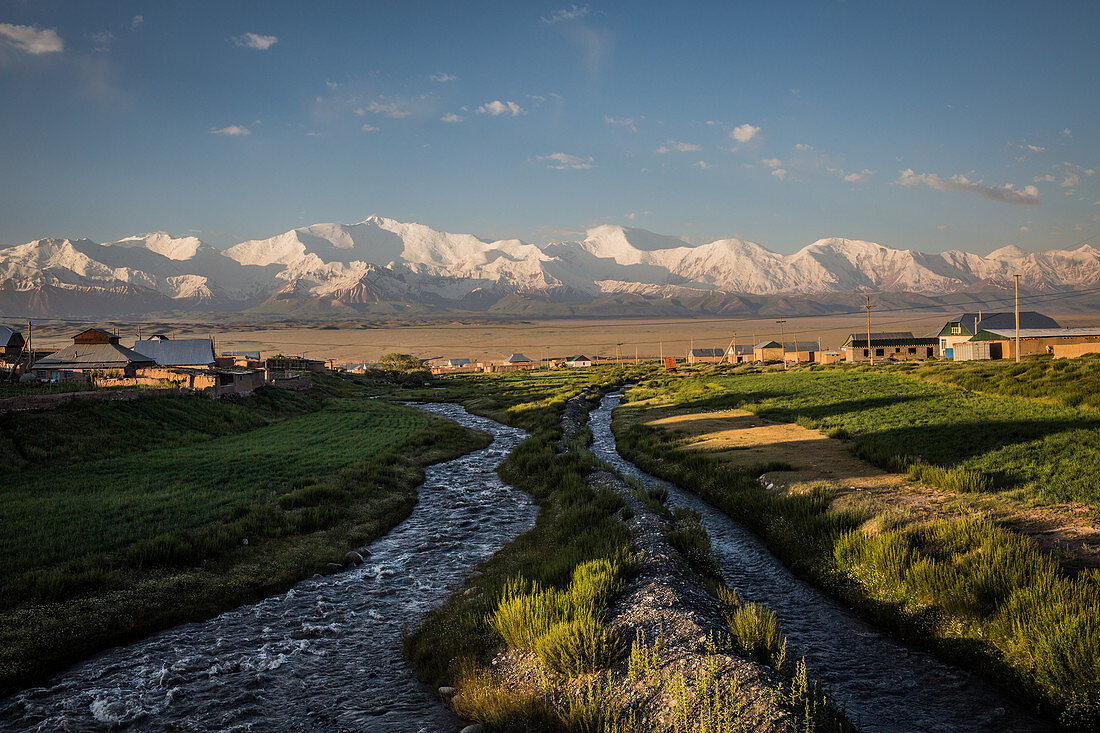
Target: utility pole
x=619 y=352
x=1017 y=318
x=795 y=337
x=733 y=345
x=782 y=341
x=662 y=342
x=635 y=353
x=868 y=306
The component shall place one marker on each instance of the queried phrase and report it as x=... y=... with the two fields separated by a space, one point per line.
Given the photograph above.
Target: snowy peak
x=383 y=260
x=182 y=248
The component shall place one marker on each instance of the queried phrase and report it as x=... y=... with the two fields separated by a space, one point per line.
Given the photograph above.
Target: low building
x=11 y=344
x=893 y=345
x=829 y=357
x=94 y=353
x=739 y=354
x=768 y=351
x=240 y=360
x=514 y=362
x=705 y=356
x=451 y=366
x=279 y=366
x=801 y=351
x=194 y=353
x=578 y=360
x=967 y=325
x=1033 y=341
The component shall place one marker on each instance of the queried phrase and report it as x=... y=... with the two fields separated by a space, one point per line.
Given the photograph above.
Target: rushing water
x=882 y=683
x=325 y=655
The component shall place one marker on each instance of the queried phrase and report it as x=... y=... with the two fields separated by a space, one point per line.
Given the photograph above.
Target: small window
x=913 y=350
x=930 y=351
x=866 y=352
x=880 y=352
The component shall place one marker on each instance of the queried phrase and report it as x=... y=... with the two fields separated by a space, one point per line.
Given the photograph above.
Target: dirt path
x=745 y=439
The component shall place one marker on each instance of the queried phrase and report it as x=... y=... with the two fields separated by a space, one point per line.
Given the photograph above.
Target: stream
x=883 y=684
x=325 y=655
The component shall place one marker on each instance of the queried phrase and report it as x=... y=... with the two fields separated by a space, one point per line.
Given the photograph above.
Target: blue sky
x=931 y=126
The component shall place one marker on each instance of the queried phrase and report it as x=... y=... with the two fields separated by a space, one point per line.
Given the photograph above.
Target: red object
x=670 y=363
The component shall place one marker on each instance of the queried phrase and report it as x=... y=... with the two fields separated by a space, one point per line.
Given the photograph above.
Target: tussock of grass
x=563 y=628
x=756 y=629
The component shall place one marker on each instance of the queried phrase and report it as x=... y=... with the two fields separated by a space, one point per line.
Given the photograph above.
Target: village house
x=94 y=353
x=515 y=361
x=450 y=366
x=768 y=351
x=11 y=344
x=829 y=357
x=967 y=325
x=893 y=345
x=706 y=356
x=243 y=359
x=1000 y=343
x=284 y=365
x=800 y=351
x=739 y=354
x=578 y=360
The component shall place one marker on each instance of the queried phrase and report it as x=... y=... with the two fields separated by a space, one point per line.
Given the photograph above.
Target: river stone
x=333 y=567
x=475 y=728
x=447 y=691
x=354 y=558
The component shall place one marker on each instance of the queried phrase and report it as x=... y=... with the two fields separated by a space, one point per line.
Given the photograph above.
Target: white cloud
x=231 y=130
x=255 y=41
x=31 y=39
x=443 y=78
x=861 y=177
x=780 y=173
x=772 y=162
x=369 y=128
x=1045 y=178
x=565 y=14
x=803 y=146
x=1027 y=227
x=1071 y=180
x=137 y=22
x=701 y=164
x=497 y=107
x=627 y=122
x=564 y=161
x=395 y=109
x=332 y=84
x=1034 y=148
x=630 y=217
x=673 y=146
x=744 y=133
x=1007 y=194
x=1066 y=133
x=452 y=118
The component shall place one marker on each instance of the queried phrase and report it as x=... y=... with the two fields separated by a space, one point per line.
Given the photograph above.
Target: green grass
x=960 y=440
x=105 y=547
x=1067 y=382
x=983 y=596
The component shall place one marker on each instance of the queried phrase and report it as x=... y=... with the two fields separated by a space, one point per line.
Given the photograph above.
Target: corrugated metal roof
x=740 y=350
x=177 y=352
x=768 y=345
x=516 y=358
x=802 y=346
x=92 y=356
x=898 y=338
x=7 y=335
x=243 y=354
x=1032 y=333
x=974 y=322
x=709 y=353
x=578 y=357
x=458 y=362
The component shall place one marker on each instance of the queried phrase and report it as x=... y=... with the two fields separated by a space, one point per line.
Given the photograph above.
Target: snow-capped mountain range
x=381 y=260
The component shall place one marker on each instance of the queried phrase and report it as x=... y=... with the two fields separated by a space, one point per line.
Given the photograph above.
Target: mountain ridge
x=380 y=260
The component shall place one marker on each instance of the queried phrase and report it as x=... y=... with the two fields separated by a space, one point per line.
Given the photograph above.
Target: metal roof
x=707 y=352
x=768 y=345
x=177 y=352
x=93 y=356
x=739 y=350
x=790 y=345
x=1036 y=333
x=579 y=357
x=7 y=336
x=858 y=342
x=974 y=322
x=243 y=354
x=516 y=358
x=458 y=362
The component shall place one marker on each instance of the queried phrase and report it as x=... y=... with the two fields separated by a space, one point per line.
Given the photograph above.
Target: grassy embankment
x=544 y=594
x=121 y=518
x=979 y=594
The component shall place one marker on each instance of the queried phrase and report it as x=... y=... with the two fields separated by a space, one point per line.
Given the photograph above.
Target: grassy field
x=981 y=595
x=979 y=441
x=136 y=516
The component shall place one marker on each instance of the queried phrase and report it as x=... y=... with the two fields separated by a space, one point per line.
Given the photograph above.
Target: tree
x=400 y=363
